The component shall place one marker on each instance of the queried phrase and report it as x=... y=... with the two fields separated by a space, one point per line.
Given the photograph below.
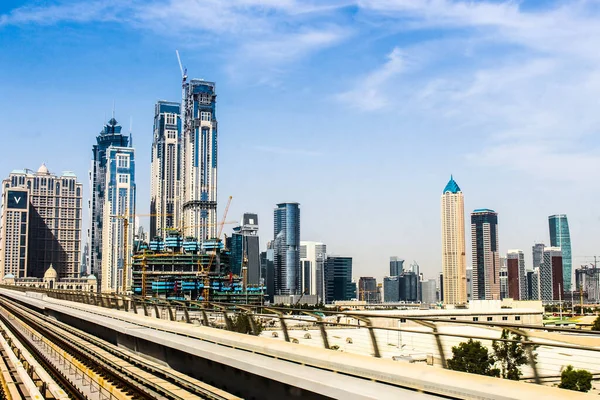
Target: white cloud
x=255 y=35
x=521 y=88
x=369 y=93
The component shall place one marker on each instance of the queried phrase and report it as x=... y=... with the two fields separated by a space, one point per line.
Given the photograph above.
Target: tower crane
x=126 y=217
x=206 y=271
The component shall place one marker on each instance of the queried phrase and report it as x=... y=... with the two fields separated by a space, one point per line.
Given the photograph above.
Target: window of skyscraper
x=122 y=161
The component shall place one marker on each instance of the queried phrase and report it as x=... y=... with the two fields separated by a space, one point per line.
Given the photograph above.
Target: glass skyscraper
x=396 y=266
x=486 y=259
x=560 y=237
x=286 y=246
x=338 y=279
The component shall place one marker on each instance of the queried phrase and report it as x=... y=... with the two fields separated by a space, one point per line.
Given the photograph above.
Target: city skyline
x=152 y=75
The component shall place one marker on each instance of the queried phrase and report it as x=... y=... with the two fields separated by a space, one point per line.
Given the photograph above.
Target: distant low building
x=428 y=292
x=51 y=281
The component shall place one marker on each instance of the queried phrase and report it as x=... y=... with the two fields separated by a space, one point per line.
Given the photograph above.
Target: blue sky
x=359 y=110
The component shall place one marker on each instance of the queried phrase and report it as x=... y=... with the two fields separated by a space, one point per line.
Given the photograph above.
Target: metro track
x=124 y=374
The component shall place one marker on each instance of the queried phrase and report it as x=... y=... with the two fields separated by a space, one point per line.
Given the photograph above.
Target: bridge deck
x=329 y=373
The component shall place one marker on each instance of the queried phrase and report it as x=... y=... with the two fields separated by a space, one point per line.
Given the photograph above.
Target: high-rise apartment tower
x=41 y=224
x=286 y=246
x=165 y=178
x=453 y=245
x=118 y=225
x=199 y=160
x=109 y=136
x=312 y=263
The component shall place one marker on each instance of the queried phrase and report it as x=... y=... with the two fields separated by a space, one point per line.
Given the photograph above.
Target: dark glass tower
x=486 y=259
x=560 y=237
x=286 y=246
x=338 y=279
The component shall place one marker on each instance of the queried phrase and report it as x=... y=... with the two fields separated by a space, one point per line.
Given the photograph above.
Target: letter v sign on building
x=17 y=200
x=15 y=229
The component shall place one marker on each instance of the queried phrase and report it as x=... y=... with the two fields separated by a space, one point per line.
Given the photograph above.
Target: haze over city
x=358 y=110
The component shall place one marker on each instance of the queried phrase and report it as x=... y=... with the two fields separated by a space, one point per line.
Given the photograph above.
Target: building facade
x=118 y=226
x=453 y=245
x=286 y=246
x=428 y=291
x=199 y=160
x=391 y=289
x=517 y=278
x=587 y=281
x=560 y=237
x=469 y=284
x=338 y=279
x=15 y=233
x=50 y=280
x=486 y=258
x=245 y=249
x=367 y=289
x=312 y=260
x=165 y=174
x=551 y=279
x=396 y=266
x=409 y=284
x=110 y=135
x=41 y=224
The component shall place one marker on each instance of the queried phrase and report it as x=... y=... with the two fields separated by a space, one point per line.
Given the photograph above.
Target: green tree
x=510 y=355
x=472 y=357
x=596 y=326
x=575 y=379
x=241 y=323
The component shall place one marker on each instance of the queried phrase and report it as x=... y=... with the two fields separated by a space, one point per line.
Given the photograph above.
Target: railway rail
x=87 y=367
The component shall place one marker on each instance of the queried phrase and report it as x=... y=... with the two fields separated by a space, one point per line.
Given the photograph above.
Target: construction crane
x=206 y=271
x=126 y=218
x=183 y=70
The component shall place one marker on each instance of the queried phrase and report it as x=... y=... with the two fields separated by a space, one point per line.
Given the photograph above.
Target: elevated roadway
x=259 y=368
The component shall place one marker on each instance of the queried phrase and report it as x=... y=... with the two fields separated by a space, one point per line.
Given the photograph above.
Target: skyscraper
x=286 y=246
x=537 y=251
x=428 y=292
x=199 y=160
x=312 y=260
x=560 y=237
x=268 y=271
x=391 y=289
x=396 y=266
x=109 y=136
x=517 y=279
x=118 y=225
x=245 y=246
x=338 y=279
x=453 y=245
x=551 y=279
x=486 y=259
x=41 y=224
x=367 y=289
x=165 y=176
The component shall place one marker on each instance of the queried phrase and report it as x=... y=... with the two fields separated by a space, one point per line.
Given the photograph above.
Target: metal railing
x=363 y=333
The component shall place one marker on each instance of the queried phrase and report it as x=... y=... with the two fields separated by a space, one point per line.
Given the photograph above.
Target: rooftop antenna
x=130 y=134
x=113 y=111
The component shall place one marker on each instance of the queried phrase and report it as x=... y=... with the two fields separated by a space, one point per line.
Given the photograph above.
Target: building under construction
x=182 y=268
x=587 y=282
